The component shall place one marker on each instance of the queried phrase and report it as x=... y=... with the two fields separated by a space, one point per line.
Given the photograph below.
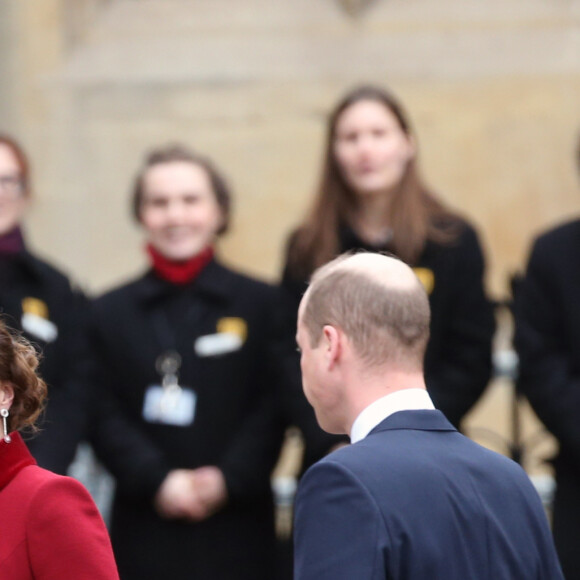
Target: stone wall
x=492 y=88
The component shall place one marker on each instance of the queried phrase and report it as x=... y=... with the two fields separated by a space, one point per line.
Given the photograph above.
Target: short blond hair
x=386 y=323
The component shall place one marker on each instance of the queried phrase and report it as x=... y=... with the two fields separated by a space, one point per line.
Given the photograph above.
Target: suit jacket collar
x=423 y=420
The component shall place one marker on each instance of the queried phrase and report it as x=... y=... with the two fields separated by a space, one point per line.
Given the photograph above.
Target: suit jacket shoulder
x=426 y=502
x=561 y=234
x=48 y=272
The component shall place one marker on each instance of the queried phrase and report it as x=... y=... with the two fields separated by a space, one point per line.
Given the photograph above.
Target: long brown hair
x=416 y=214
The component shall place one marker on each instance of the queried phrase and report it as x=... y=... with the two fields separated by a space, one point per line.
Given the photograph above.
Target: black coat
x=236 y=426
x=458 y=360
x=33 y=287
x=547 y=339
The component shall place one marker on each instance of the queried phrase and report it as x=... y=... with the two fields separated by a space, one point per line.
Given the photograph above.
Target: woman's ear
x=6 y=395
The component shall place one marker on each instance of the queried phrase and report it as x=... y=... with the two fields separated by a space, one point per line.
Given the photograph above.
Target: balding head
x=378 y=302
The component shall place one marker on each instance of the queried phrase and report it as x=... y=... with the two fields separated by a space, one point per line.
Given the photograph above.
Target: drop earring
x=4 y=413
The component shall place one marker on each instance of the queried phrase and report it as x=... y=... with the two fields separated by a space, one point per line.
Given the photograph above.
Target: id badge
x=39 y=327
x=169 y=407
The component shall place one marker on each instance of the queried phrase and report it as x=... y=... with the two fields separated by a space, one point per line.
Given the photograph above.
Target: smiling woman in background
x=371 y=197
x=38 y=300
x=51 y=528
x=191 y=432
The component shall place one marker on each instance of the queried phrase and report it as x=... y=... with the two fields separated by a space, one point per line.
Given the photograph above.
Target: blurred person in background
x=51 y=528
x=186 y=416
x=547 y=340
x=371 y=197
x=39 y=301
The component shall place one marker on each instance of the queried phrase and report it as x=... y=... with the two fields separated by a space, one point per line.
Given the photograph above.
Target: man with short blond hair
x=383 y=321
x=411 y=498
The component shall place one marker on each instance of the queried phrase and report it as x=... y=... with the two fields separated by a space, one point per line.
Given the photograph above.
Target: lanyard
x=165 y=334
x=169 y=362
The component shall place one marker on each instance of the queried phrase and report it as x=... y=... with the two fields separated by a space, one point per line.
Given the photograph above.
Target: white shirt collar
x=379 y=410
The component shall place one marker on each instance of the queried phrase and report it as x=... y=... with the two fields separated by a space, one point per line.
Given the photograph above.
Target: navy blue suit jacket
x=416 y=500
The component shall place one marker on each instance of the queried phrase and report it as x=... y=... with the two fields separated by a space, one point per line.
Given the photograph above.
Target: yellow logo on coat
x=35 y=306
x=233 y=325
x=426 y=277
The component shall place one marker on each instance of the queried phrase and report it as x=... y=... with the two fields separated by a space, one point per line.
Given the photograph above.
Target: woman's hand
x=192 y=494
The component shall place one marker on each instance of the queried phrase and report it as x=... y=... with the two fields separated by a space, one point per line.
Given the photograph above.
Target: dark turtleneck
x=12 y=243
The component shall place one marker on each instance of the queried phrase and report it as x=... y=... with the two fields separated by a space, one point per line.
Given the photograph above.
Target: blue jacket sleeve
x=339 y=533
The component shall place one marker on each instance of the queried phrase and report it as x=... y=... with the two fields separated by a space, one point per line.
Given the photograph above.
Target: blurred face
x=179 y=210
x=371 y=148
x=13 y=200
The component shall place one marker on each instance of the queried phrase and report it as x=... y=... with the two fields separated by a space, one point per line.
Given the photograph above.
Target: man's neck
x=370 y=388
x=410 y=399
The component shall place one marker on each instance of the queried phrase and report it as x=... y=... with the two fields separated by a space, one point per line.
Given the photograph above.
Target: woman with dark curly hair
x=50 y=526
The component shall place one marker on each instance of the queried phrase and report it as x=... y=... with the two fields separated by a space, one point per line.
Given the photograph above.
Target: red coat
x=50 y=526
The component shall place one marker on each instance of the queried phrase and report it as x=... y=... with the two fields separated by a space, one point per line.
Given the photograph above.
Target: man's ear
x=332 y=339
x=6 y=395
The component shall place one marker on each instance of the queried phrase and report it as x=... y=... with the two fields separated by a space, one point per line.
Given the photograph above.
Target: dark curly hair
x=18 y=364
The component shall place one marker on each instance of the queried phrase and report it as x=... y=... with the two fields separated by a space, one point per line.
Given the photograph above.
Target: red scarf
x=179 y=272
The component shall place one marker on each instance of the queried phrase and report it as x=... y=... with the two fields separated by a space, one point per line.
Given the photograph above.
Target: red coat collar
x=14 y=457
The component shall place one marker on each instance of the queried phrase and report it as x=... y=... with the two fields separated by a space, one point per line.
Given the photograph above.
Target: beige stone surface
x=496 y=424
x=89 y=85
x=492 y=89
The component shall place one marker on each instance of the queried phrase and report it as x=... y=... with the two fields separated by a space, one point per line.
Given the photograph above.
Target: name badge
x=169 y=406
x=39 y=327
x=216 y=344
x=426 y=277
